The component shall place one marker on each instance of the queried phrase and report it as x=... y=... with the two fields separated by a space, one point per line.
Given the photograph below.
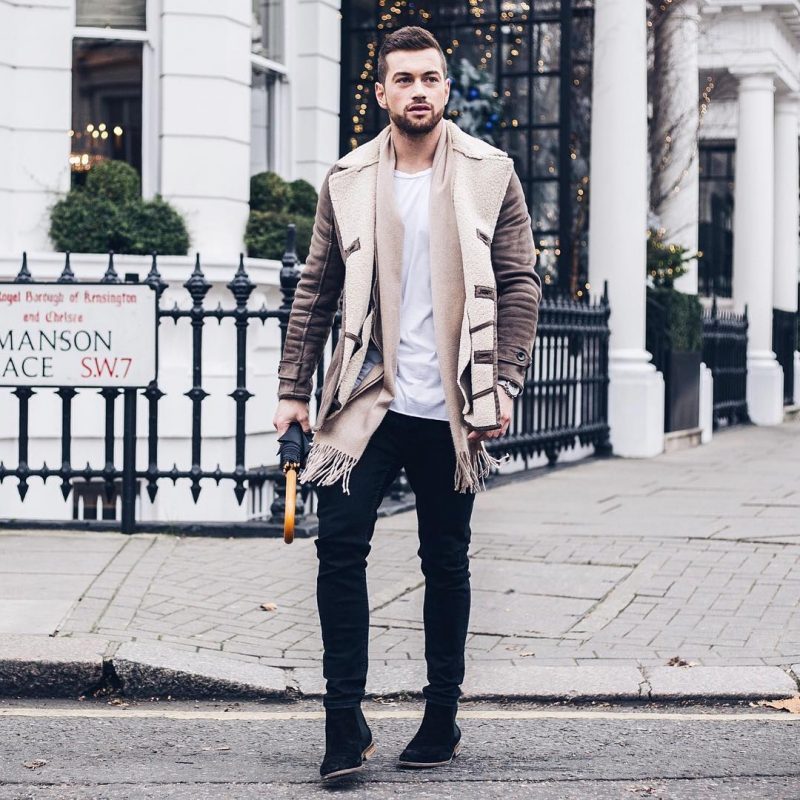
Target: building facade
x=620 y=116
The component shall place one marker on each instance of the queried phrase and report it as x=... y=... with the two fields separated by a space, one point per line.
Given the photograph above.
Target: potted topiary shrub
x=274 y=204
x=108 y=213
x=674 y=331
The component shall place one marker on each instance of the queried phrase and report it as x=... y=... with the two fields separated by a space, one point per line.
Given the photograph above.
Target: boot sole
x=430 y=764
x=341 y=773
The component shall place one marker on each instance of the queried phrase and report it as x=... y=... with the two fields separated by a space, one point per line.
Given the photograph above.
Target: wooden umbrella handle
x=291 y=505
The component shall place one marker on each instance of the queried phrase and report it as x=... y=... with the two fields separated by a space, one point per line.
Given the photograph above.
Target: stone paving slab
x=42 y=576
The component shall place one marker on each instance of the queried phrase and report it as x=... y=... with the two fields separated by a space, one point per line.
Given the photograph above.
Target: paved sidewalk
x=617 y=565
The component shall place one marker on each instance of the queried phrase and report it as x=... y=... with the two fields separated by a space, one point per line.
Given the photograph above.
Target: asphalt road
x=163 y=750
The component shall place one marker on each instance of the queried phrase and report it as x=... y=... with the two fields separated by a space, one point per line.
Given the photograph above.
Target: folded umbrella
x=293 y=449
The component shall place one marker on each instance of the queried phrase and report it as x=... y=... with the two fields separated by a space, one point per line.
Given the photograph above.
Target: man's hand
x=506 y=412
x=287 y=412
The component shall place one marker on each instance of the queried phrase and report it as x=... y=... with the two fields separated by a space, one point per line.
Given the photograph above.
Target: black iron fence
x=785 y=340
x=564 y=404
x=565 y=398
x=725 y=354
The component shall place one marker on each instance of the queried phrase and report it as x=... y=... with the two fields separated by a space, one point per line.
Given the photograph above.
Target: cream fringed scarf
x=341 y=440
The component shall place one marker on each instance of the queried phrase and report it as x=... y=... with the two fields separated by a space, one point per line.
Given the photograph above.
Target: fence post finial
x=24 y=275
x=241 y=287
x=67 y=275
x=111 y=273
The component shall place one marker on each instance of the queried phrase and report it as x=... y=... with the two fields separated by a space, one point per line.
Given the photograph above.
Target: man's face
x=415 y=92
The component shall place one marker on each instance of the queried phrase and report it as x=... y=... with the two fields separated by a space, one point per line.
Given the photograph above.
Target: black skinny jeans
x=346 y=523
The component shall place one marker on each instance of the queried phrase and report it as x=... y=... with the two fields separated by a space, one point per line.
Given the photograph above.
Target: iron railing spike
x=24 y=275
x=110 y=275
x=67 y=275
x=154 y=279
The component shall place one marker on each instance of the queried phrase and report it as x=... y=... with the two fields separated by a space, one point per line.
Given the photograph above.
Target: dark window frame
x=129 y=145
x=715 y=265
x=570 y=234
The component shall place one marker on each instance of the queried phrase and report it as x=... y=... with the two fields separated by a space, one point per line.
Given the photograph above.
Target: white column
x=35 y=106
x=787 y=213
x=205 y=126
x=618 y=222
x=753 y=243
x=315 y=31
x=677 y=116
x=787 y=205
x=7 y=16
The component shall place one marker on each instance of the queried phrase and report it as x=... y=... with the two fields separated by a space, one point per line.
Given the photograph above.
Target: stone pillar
x=676 y=115
x=35 y=80
x=7 y=16
x=787 y=205
x=315 y=33
x=753 y=249
x=618 y=222
x=787 y=212
x=205 y=122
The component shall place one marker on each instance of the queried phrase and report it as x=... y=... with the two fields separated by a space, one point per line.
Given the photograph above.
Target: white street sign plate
x=77 y=334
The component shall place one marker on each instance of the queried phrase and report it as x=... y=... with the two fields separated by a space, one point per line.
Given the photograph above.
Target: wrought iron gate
x=725 y=354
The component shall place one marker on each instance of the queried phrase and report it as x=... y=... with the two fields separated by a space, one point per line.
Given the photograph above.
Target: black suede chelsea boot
x=348 y=743
x=437 y=742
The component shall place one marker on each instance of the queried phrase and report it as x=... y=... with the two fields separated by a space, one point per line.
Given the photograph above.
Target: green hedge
x=684 y=314
x=274 y=204
x=109 y=214
x=265 y=236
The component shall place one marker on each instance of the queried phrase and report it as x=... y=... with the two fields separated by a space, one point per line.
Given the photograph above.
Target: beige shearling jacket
x=505 y=237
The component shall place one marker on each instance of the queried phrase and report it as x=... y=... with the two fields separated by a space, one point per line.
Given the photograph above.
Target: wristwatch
x=511 y=389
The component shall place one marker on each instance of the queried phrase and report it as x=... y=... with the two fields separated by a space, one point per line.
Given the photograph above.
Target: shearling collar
x=366 y=154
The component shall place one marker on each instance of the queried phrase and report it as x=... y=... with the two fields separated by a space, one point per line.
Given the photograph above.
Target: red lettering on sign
x=94 y=367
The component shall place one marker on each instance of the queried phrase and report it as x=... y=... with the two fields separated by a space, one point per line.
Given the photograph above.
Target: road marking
x=464 y=713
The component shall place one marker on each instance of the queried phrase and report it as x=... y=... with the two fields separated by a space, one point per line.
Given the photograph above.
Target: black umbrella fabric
x=293 y=449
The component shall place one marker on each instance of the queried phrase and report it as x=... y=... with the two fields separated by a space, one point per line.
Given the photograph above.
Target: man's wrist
x=511 y=388
x=303 y=398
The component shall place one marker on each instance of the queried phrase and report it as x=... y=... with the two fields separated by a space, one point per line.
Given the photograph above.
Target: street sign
x=78 y=334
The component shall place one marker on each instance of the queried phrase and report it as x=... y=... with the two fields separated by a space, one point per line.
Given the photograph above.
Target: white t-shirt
x=418 y=383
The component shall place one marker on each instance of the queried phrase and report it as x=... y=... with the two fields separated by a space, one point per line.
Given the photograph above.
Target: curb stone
x=734 y=683
x=148 y=670
x=548 y=683
x=46 y=666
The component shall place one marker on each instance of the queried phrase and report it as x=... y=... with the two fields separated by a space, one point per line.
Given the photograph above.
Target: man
x=425 y=231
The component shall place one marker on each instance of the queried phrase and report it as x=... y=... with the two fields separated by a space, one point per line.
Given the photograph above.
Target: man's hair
x=410 y=37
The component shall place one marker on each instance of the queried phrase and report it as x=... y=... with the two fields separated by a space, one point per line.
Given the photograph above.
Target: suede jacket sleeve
x=315 y=303
x=519 y=287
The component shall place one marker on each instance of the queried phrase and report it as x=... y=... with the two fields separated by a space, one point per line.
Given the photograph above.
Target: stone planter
x=682 y=402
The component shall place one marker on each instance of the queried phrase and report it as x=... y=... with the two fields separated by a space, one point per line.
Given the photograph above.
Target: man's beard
x=416 y=127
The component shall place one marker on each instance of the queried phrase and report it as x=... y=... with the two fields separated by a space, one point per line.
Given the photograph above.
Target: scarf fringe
x=472 y=471
x=326 y=464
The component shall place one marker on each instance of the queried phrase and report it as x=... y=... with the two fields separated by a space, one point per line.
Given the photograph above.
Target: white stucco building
x=200 y=95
